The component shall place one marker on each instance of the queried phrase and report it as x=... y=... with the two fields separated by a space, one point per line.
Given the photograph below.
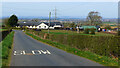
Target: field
x=75 y=33
x=2 y=29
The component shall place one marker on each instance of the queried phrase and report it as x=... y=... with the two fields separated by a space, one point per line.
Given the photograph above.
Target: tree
x=12 y=21
x=94 y=18
x=72 y=25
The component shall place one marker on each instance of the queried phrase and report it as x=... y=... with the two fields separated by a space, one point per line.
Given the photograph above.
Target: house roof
x=88 y=27
x=52 y=23
x=29 y=23
x=55 y=23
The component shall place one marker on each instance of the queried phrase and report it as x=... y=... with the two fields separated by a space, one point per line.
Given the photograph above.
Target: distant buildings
x=40 y=25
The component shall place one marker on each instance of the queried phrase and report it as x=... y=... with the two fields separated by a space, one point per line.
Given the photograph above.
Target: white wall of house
x=51 y=27
x=30 y=27
x=34 y=26
x=42 y=26
x=17 y=26
x=27 y=26
x=57 y=26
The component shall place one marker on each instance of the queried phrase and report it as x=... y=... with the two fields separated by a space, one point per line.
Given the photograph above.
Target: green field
x=74 y=33
x=2 y=29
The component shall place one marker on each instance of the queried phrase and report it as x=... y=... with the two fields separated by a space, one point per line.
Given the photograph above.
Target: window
x=39 y=26
x=45 y=26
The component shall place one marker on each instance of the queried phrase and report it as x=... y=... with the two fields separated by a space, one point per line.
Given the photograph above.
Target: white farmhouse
x=42 y=25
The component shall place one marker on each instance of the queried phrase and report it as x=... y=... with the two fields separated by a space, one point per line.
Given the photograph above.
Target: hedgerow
x=102 y=45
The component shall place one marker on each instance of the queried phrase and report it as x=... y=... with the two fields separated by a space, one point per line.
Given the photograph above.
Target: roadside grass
x=104 y=60
x=75 y=33
x=2 y=29
x=6 y=49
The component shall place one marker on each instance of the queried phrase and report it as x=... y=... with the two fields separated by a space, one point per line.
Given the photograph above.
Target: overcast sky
x=60 y=0
x=37 y=8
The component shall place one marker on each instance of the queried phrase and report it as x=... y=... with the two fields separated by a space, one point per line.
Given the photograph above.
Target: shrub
x=92 y=30
x=86 y=31
x=118 y=33
x=5 y=33
x=108 y=27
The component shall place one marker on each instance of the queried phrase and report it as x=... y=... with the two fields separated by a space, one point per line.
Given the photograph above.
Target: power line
x=55 y=13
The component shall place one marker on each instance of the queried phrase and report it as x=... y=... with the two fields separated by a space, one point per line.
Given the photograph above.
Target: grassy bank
x=107 y=61
x=6 y=48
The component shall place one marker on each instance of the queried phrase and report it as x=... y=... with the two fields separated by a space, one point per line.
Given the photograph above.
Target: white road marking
x=33 y=52
x=18 y=53
x=45 y=52
x=48 y=52
x=14 y=52
x=23 y=52
x=39 y=52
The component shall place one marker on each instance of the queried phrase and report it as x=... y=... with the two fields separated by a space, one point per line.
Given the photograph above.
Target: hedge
x=4 y=34
x=6 y=47
x=102 y=45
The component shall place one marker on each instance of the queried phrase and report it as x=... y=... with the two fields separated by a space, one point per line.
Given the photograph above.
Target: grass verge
x=107 y=61
x=6 y=49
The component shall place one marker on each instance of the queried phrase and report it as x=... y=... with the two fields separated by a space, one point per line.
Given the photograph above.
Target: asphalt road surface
x=30 y=52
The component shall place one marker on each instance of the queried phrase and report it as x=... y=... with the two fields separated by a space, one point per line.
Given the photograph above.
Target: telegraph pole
x=55 y=13
x=49 y=22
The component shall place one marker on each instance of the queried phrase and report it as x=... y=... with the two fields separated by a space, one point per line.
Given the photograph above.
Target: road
x=30 y=52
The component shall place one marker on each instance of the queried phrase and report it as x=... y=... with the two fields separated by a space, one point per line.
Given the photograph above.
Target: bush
x=108 y=27
x=118 y=33
x=92 y=30
x=5 y=33
x=86 y=31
